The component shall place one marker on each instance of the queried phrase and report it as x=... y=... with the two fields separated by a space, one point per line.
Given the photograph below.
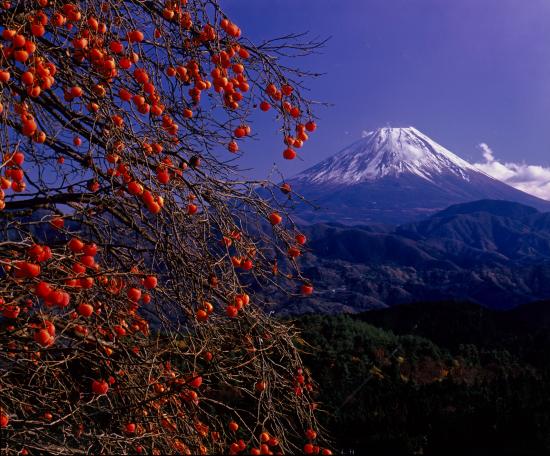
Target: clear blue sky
x=462 y=71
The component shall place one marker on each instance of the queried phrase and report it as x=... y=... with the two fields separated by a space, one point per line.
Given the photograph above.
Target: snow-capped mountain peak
x=389 y=152
x=395 y=175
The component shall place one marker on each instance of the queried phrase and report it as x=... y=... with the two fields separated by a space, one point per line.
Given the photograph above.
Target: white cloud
x=487 y=152
x=533 y=179
x=364 y=134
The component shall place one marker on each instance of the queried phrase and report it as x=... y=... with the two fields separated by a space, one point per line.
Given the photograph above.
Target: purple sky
x=461 y=71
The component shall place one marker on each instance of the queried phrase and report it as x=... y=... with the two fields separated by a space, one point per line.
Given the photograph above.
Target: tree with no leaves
x=129 y=243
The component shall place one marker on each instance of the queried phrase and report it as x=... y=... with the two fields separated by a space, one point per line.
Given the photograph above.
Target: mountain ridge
x=395 y=175
x=492 y=253
x=388 y=152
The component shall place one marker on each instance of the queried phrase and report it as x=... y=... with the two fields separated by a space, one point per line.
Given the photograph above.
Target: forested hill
x=434 y=378
x=493 y=253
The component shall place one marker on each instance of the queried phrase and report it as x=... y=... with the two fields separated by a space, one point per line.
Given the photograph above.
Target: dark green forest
x=433 y=379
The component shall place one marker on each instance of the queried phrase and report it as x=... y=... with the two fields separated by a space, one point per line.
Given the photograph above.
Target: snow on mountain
x=395 y=175
x=388 y=152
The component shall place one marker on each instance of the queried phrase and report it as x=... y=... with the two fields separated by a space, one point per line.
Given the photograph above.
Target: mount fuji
x=394 y=176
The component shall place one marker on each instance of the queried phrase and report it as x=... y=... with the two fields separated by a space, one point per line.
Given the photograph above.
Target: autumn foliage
x=130 y=245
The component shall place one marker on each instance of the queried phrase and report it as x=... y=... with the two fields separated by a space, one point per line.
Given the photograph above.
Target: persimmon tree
x=130 y=244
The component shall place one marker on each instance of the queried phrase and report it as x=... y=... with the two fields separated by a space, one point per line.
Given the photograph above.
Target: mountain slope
x=395 y=175
x=389 y=152
x=439 y=378
x=493 y=253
